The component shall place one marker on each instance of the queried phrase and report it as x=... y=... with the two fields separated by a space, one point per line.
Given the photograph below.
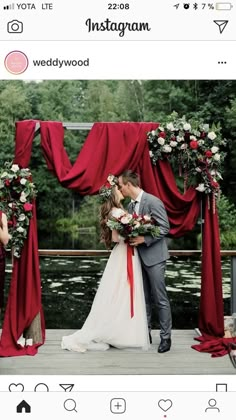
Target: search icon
x=70 y=405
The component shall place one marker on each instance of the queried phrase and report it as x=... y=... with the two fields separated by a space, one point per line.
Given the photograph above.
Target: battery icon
x=224 y=6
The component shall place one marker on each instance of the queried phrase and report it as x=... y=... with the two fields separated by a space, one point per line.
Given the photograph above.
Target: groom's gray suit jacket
x=154 y=250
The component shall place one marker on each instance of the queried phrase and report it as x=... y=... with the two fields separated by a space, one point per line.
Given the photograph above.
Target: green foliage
x=227 y=223
x=86 y=217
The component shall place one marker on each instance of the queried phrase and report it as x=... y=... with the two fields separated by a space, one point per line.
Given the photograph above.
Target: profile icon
x=212 y=405
x=16 y=62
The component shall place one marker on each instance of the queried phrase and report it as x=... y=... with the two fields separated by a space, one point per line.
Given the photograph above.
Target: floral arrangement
x=17 y=193
x=132 y=225
x=194 y=147
x=106 y=189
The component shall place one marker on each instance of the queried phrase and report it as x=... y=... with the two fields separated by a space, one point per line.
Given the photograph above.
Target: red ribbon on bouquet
x=130 y=275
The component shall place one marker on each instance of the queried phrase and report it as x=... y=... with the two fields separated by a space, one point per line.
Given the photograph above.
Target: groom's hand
x=137 y=240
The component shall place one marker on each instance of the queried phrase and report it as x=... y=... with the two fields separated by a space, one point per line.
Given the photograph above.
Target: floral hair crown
x=106 y=190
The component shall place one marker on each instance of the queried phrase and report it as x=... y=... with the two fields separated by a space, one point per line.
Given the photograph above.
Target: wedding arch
x=109 y=148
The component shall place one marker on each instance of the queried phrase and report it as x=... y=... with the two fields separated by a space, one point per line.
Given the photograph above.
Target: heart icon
x=16 y=387
x=165 y=405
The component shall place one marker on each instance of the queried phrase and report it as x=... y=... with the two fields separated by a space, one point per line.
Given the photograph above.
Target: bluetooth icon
x=195 y=6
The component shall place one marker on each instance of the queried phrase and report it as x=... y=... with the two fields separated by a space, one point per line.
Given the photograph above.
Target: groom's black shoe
x=165 y=345
x=150 y=338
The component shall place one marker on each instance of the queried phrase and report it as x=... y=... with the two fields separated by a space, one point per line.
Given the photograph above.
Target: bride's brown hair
x=105 y=210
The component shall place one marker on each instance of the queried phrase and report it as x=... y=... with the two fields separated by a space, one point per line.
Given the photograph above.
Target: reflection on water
x=69 y=286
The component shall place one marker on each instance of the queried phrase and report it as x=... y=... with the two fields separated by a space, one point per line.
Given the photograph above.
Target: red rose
x=214 y=184
x=7 y=183
x=186 y=135
x=162 y=134
x=193 y=144
x=135 y=216
x=27 y=207
x=208 y=153
x=202 y=135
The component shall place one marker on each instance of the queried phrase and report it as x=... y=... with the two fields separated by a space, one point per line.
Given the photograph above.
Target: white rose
x=192 y=138
x=125 y=219
x=160 y=128
x=179 y=139
x=183 y=146
x=10 y=205
x=187 y=127
x=23 y=181
x=21 y=217
x=20 y=229
x=15 y=168
x=110 y=179
x=170 y=126
x=150 y=153
x=216 y=157
x=211 y=135
x=166 y=148
x=23 y=197
x=147 y=218
x=214 y=149
x=201 y=142
x=4 y=174
x=173 y=143
x=200 y=188
x=136 y=225
x=161 y=141
x=153 y=132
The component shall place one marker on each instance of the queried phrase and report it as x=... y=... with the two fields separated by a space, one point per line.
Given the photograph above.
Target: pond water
x=69 y=286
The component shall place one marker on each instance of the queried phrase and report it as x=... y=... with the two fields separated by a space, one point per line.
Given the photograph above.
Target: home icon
x=23 y=407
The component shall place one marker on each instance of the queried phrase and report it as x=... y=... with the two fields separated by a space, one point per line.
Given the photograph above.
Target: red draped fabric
x=113 y=148
x=2 y=269
x=211 y=323
x=24 y=301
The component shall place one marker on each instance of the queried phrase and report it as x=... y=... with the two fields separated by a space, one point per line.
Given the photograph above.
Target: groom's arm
x=158 y=213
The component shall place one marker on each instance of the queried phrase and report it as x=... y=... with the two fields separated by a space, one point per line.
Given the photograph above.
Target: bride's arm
x=115 y=237
x=4 y=235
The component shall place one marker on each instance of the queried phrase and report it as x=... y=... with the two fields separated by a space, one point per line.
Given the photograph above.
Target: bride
x=110 y=321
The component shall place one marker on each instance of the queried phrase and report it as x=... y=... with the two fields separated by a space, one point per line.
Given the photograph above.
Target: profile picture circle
x=16 y=62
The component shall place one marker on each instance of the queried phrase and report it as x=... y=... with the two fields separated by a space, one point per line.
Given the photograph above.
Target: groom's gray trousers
x=155 y=291
x=153 y=254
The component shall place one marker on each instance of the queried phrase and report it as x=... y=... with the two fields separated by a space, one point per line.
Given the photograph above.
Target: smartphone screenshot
x=117 y=209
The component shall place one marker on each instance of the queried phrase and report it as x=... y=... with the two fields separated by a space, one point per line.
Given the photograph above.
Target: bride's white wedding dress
x=109 y=321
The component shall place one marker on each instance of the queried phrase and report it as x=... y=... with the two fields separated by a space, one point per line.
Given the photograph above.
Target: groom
x=153 y=253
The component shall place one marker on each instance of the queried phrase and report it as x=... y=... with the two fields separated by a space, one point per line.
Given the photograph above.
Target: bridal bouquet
x=132 y=225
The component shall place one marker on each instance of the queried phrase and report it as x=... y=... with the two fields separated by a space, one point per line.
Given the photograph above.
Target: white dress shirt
x=137 y=200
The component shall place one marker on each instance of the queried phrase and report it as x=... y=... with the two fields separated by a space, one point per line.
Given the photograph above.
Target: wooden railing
x=173 y=253
x=101 y=253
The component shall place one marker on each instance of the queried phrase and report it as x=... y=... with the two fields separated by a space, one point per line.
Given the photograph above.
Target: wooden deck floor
x=51 y=359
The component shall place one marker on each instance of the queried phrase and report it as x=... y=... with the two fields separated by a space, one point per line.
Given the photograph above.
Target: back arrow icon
x=221 y=24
